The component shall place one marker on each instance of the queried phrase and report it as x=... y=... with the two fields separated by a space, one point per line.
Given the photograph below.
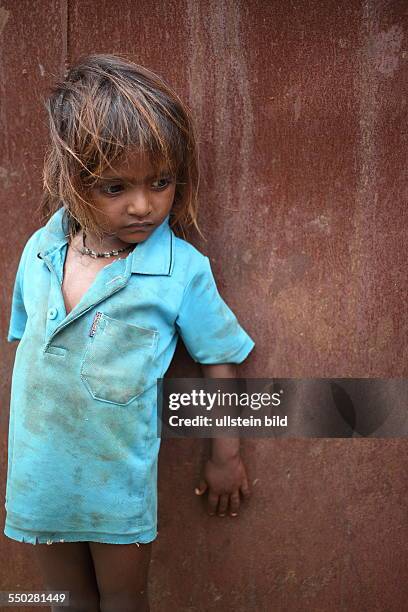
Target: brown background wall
x=301 y=109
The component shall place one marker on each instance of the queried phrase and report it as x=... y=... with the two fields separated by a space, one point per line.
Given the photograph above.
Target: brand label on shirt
x=95 y=323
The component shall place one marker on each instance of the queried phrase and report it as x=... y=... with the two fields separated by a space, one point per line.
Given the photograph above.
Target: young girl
x=101 y=295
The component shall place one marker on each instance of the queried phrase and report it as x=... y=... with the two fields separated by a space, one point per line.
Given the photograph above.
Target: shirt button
x=52 y=313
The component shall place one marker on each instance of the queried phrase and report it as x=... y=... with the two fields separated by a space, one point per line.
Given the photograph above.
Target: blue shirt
x=83 y=445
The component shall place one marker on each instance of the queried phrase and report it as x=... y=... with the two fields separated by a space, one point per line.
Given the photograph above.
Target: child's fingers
x=202 y=487
x=212 y=503
x=245 y=488
x=223 y=505
x=234 y=503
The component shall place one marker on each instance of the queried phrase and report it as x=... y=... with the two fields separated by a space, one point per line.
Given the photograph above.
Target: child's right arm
x=18 y=315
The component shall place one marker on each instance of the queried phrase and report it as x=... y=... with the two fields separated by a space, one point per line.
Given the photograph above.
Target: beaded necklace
x=94 y=254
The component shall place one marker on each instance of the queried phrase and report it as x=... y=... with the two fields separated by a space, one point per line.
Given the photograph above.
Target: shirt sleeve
x=207 y=326
x=18 y=317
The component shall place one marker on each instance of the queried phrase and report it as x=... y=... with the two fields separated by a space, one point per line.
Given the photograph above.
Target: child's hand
x=224 y=480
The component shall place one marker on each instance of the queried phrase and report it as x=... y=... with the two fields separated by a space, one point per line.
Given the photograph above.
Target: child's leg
x=69 y=567
x=122 y=572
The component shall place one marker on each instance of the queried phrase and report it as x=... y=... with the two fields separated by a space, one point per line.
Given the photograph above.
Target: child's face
x=132 y=194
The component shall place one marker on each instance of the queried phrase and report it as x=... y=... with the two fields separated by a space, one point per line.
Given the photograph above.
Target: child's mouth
x=139 y=226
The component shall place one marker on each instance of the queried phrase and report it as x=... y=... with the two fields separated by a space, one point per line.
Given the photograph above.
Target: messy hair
x=106 y=106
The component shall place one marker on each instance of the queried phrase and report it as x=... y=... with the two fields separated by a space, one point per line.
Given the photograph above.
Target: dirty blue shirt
x=83 y=444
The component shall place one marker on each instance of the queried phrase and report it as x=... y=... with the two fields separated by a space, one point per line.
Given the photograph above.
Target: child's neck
x=106 y=244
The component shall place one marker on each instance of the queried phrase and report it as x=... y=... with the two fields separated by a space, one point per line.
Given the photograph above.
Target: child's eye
x=112 y=189
x=161 y=183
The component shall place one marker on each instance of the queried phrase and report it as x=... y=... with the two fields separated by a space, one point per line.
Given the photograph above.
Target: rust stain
x=7 y=176
x=4 y=17
x=228 y=86
x=384 y=50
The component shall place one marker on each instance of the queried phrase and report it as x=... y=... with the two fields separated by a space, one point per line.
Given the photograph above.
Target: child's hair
x=106 y=106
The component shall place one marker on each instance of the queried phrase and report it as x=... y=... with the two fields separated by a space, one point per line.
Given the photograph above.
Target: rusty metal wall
x=301 y=109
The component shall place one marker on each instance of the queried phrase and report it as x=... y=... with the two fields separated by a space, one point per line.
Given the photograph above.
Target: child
x=101 y=294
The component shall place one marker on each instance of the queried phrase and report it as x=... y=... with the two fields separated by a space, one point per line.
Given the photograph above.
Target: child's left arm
x=224 y=473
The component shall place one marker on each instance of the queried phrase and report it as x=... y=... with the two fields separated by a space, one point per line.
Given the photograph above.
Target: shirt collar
x=153 y=256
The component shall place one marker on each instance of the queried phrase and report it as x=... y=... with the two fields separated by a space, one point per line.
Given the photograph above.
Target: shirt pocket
x=118 y=363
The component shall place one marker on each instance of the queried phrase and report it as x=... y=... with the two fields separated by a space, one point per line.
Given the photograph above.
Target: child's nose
x=138 y=204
